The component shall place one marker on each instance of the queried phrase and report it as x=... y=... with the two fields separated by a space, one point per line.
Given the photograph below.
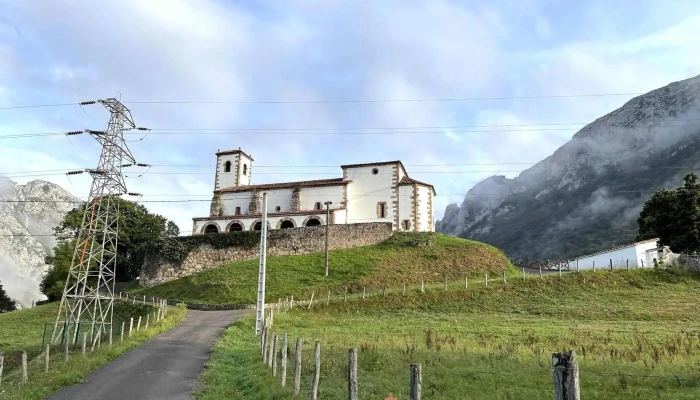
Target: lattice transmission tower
x=88 y=298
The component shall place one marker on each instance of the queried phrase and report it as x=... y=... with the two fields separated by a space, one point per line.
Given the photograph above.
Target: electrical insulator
x=134 y=194
x=95 y=132
x=87 y=103
x=74 y=172
x=142 y=129
x=126 y=165
x=73 y=133
x=142 y=165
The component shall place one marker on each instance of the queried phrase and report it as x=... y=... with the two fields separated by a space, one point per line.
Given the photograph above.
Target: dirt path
x=165 y=367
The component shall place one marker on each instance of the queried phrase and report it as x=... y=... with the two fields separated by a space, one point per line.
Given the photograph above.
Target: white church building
x=371 y=192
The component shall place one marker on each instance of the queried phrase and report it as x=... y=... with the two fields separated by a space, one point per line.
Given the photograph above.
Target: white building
x=372 y=192
x=639 y=255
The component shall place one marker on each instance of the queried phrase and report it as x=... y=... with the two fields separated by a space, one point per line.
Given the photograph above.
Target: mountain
x=587 y=196
x=21 y=254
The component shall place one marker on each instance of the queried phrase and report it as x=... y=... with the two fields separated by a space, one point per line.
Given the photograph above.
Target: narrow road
x=165 y=367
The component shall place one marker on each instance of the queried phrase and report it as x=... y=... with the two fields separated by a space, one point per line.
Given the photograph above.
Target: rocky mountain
x=22 y=254
x=587 y=196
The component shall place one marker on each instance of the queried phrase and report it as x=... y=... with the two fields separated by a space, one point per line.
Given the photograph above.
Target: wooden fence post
x=285 y=349
x=504 y=276
x=628 y=265
x=65 y=352
x=416 y=382
x=47 y=354
x=99 y=338
x=144 y=299
x=560 y=270
x=363 y=292
x=445 y=282
x=24 y=367
x=466 y=282
x=345 y=299
x=384 y=291
x=317 y=371
x=404 y=288
x=84 y=343
x=310 y=302
x=565 y=376
x=274 y=357
x=577 y=265
x=138 y=326
x=148 y=320
x=122 y=333
x=328 y=299
x=523 y=273
x=611 y=267
x=352 y=374
x=2 y=363
x=110 y=336
x=487 y=279
x=263 y=342
x=297 y=366
x=593 y=265
x=422 y=286
x=540 y=271
x=271 y=340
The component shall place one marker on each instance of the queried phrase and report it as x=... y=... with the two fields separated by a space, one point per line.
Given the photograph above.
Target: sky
x=226 y=58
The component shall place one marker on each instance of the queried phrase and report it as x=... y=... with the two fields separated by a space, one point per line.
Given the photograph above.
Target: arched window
x=313 y=222
x=211 y=229
x=257 y=226
x=227 y=166
x=245 y=169
x=286 y=224
x=235 y=227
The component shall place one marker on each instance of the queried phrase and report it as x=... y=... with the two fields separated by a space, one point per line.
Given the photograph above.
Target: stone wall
x=296 y=241
x=689 y=262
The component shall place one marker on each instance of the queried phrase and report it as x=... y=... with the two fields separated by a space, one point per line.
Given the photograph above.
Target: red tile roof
x=406 y=181
x=286 y=185
x=270 y=214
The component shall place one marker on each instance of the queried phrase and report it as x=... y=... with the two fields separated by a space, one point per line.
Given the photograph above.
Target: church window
x=375 y=171
x=406 y=224
x=227 y=166
x=245 y=169
x=317 y=206
x=238 y=211
x=381 y=209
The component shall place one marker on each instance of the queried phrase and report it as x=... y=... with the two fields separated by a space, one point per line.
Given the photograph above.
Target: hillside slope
x=406 y=257
x=21 y=254
x=587 y=195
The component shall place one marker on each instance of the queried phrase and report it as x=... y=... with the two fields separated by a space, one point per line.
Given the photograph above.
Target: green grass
x=389 y=263
x=490 y=342
x=22 y=330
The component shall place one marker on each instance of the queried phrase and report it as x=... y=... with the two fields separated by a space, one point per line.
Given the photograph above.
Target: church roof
x=238 y=151
x=287 y=185
x=373 y=164
x=410 y=181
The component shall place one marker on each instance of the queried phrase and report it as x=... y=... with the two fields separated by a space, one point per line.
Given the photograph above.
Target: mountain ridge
x=28 y=214
x=581 y=198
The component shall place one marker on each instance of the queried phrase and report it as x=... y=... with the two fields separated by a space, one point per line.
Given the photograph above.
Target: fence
x=70 y=339
x=274 y=350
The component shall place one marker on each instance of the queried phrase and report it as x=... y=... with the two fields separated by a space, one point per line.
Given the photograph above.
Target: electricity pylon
x=88 y=297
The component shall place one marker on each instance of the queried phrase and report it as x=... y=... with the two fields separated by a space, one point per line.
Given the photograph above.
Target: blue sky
x=309 y=50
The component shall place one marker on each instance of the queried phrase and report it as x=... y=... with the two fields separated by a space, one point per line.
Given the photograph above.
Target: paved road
x=165 y=367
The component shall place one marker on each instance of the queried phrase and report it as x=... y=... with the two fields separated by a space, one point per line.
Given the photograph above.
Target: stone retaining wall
x=281 y=242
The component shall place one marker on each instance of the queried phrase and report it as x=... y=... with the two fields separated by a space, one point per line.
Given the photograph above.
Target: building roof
x=624 y=246
x=286 y=185
x=406 y=181
x=239 y=151
x=373 y=164
x=270 y=214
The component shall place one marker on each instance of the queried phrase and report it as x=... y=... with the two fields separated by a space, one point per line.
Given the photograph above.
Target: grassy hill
x=407 y=257
x=636 y=334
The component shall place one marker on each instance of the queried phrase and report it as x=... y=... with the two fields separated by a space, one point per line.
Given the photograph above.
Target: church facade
x=371 y=192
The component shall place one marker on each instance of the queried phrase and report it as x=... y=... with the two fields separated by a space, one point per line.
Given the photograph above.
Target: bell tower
x=233 y=168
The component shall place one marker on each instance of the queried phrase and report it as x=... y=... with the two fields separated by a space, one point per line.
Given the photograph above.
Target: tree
x=674 y=217
x=6 y=303
x=136 y=225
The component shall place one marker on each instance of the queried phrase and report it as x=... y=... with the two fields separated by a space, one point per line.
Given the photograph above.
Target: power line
x=39 y=106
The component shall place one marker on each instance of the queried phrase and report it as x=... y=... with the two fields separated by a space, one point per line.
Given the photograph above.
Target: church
x=371 y=192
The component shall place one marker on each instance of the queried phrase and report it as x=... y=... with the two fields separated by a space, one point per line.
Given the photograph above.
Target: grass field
x=412 y=256
x=23 y=330
x=636 y=333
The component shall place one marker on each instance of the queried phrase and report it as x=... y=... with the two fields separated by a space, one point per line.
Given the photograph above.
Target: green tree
x=6 y=303
x=674 y=217
x=136 y=225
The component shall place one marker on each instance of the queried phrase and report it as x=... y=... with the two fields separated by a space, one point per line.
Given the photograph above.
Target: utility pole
x=88 y=296
x=328 y=213
x=261 y=272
